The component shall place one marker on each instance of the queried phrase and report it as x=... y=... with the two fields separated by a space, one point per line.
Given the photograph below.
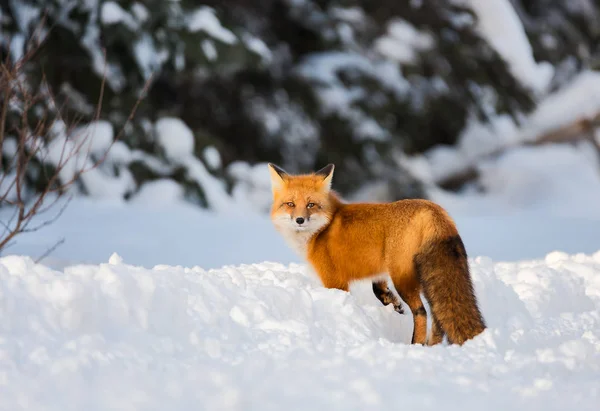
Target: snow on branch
x=583 y=128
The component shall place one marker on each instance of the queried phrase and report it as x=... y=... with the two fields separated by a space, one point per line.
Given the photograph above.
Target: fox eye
x=290 y=204
x=310 y=205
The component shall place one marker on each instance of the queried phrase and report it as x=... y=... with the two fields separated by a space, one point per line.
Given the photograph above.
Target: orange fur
x=415 y=241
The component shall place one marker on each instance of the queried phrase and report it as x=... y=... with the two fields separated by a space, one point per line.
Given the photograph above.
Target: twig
x=50 y=221
x=50 y=250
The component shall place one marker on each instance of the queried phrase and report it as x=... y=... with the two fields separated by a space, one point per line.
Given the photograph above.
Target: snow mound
x=175 y=138
x=268 y=336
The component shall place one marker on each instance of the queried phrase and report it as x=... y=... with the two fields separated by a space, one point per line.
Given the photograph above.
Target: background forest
x=399 y=95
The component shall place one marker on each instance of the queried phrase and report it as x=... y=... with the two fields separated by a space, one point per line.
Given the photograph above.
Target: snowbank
x=268 y=336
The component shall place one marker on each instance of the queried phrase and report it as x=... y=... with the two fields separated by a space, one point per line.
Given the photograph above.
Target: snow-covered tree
x=363 y=84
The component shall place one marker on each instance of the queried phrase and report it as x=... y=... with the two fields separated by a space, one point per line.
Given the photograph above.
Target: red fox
x=415 y=241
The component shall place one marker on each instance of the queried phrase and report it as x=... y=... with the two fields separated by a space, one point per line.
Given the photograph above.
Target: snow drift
x=270 y=337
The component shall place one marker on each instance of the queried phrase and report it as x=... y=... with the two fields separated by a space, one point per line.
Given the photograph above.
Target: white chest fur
x=297 y=240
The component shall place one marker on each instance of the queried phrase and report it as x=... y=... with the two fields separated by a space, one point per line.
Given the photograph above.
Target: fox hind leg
x=386 y=296
x=437 y=333
x=409 y=290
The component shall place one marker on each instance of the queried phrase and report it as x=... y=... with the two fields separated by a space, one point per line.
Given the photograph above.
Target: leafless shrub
x=40 y=155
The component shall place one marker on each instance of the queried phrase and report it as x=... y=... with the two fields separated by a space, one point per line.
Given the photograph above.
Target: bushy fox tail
x=443 y=271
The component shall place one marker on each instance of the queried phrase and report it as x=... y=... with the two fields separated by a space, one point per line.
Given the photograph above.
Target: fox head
x=301 y=203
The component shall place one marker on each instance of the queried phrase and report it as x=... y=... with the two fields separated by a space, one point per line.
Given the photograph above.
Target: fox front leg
x=386 y=296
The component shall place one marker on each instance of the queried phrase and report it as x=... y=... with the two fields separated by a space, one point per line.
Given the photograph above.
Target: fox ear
x=327 y=174
x=278 y=176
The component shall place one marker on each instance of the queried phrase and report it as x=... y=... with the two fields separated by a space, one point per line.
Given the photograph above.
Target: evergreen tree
x=297 y=82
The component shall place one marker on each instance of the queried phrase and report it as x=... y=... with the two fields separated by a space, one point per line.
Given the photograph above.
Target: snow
x=354 y=15
x=335 y=96
x=216 y=195
x=241 y=233
x=212 y=157
x=175 y=138
x=90 y=41
x=403 y=41
x=101 y=185
x=204 y=19
x=119 y=153
x=258 y=46
x=252 y=185
x=112 y=13
x=149 y=59
x=81 y=150
x=575 y=101
x=499 y=24
x=212 y=310
x=9 y=147
x=140 y=11
x=557 y=180
x=177 y=141
x=531 y=199
x=156 y=231
x=578 y=99
x=323 y=67
x=16 y=47
x=269 y=336
x=159 y=192
x=61 y=151
x=25 y=14
x=94 y=138
x=281 y=118
x=208 y=47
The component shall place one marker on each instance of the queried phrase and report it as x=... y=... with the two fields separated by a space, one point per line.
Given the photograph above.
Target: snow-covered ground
x=267 y=336
x=211 y=310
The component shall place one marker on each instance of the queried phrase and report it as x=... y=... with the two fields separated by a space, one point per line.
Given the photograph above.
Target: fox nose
x=300 y=220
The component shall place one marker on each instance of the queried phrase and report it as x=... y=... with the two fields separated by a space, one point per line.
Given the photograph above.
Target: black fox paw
x=399 y=309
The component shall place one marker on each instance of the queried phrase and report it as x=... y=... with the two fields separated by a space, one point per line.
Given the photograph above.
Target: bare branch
x=36 y=119
x=50 y=250
x=46 y=223
x=5 y=102
x=7 y=225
